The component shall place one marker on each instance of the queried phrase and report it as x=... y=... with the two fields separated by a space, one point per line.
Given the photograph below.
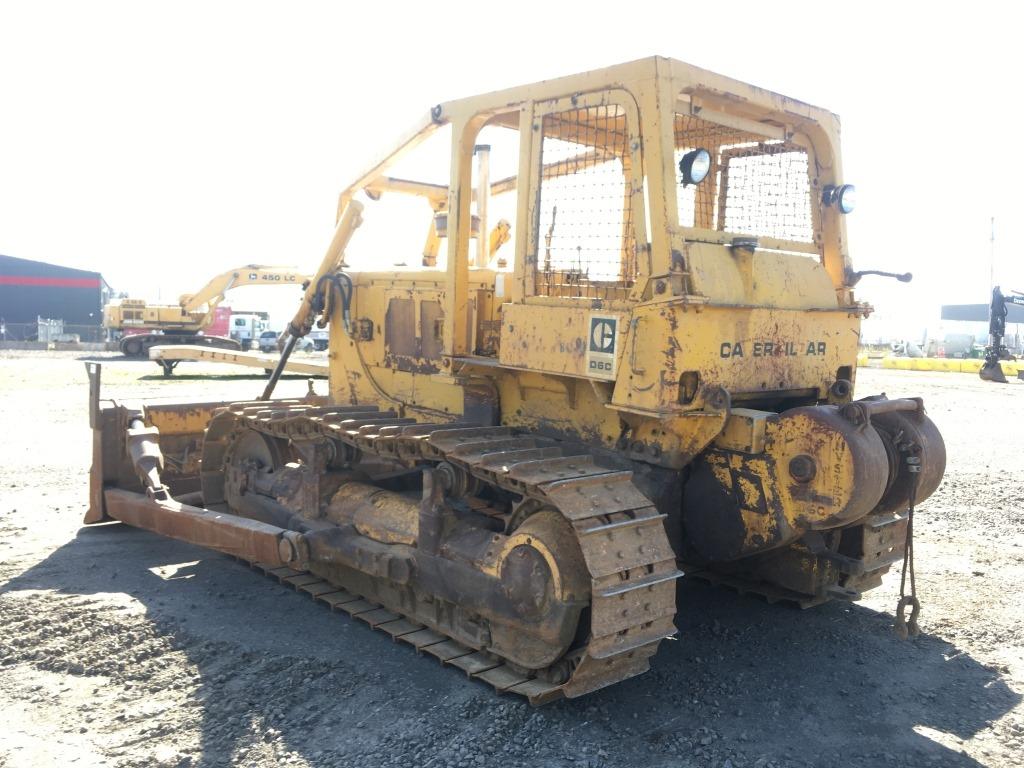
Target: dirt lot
x=120 y=648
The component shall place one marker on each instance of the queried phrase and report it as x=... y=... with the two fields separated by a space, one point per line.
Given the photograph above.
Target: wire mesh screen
x=585 y=239
x=756 y=186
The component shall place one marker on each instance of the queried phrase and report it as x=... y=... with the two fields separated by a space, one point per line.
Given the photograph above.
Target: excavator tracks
x=631 y=565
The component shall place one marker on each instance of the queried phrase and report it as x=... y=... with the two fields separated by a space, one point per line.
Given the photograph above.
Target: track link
x=476 y=664
x=621 y=535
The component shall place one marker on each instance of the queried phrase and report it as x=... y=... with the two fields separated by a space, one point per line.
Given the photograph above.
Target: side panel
x=574 y=341
x=392 y=355
x=751 y=352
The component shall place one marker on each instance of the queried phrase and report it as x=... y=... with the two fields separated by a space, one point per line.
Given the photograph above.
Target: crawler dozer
x=627 y=357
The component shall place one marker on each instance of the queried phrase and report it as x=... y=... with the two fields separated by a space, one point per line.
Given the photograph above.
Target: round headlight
x=695 y=166
x=846 y=198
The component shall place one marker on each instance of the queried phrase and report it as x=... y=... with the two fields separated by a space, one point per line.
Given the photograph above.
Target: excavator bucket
x=992 y=371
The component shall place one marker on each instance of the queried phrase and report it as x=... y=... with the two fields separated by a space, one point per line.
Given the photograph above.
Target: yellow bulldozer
x=628 y=356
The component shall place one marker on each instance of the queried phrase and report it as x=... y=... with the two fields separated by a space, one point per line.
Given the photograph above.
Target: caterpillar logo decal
x=601 y=343
x=772 y=349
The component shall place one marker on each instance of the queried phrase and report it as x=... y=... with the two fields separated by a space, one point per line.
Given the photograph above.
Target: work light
x=695 y=166
x=844 y=197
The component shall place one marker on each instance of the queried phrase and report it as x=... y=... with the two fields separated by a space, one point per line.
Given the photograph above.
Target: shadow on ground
x=745 y=683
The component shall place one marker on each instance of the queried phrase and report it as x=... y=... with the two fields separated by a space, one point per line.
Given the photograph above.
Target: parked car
x=319 y=339
x=272 y=341
x=268 y=341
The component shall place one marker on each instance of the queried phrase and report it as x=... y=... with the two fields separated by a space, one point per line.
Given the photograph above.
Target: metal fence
x=756 y=186
x=585 y=223
x=51 y=330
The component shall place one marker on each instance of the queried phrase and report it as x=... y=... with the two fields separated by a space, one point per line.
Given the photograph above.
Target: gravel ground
x=121 y=648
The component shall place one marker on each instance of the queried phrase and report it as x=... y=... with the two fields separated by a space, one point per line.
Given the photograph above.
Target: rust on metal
x=223 y=532
x=517 y=454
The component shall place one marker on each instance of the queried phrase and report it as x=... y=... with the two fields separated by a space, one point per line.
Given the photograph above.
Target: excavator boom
x=213 y=292
x=143 y=325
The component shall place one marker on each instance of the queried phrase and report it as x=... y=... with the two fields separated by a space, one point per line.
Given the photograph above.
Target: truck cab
x=246 y=327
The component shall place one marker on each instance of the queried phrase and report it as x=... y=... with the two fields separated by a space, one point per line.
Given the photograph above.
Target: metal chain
x=903 y=626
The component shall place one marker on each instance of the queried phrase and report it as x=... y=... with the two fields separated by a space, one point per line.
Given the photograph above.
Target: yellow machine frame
x=681 y=272
x=513 y=466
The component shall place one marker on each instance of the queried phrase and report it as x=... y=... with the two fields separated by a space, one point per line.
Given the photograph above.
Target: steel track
x=630 y=563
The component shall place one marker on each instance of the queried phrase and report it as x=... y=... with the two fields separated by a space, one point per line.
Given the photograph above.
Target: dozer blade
x=181 y=427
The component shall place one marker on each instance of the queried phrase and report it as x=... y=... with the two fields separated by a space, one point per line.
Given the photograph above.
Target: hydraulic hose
x=279 y=368
x=313 y=301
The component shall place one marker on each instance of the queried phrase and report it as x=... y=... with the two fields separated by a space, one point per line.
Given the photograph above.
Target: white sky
x=161 y=143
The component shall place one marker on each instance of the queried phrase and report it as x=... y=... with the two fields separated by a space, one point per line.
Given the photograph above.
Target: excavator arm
x=213 y=292
x=996 y=349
